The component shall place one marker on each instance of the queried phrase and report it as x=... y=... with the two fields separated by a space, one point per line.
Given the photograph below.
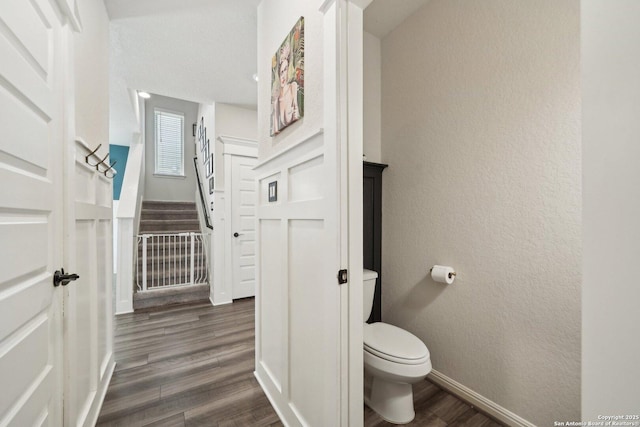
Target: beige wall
x=158 y=187
x=232 y=121
x=371 y=144
x=274 y=23
x=92 y=76
x=611 y=230
x=481 y=130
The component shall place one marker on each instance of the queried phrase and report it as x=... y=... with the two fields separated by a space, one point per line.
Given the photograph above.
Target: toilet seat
x=394 y=344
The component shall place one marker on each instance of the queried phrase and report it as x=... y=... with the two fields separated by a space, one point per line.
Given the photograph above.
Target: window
x=169 y=143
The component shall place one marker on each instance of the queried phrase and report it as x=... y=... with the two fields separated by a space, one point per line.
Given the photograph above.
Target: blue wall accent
x=118 y=153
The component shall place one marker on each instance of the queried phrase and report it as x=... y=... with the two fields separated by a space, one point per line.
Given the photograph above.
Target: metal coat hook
x=113 y=173
x=86 y=158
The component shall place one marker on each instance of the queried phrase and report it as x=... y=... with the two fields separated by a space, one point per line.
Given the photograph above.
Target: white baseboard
x=96 y=406
x=220 y=303
x=478 y=401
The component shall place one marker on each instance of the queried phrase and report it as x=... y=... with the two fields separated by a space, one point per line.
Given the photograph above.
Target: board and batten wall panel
x=295 y=290
x=481 y=131
x=88 y=304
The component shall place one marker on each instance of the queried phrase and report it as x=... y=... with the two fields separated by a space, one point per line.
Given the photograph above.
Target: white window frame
x=161 y=111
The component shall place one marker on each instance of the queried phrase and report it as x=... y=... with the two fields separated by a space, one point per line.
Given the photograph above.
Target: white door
x=243 y=214
x=31 y=232
x=55 y=212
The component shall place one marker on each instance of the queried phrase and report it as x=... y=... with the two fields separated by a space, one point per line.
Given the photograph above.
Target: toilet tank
x=368 y=290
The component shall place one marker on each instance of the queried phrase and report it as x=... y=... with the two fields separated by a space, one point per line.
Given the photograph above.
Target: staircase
x=168 y=218
x=165 y=229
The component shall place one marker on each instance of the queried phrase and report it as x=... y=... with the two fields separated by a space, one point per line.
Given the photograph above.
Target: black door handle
x=59 y=278
x=236 y=234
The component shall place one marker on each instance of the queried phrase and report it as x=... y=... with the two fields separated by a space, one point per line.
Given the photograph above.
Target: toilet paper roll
x=443 y=274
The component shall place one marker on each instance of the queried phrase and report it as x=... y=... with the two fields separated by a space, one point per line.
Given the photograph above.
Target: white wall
x=158 y=187
x=274 y=23
x=611 y=227
x=232 y=121
x=481 y=131
x=372 y=143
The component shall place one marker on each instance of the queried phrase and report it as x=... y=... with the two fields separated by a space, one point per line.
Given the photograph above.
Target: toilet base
x=392 y=401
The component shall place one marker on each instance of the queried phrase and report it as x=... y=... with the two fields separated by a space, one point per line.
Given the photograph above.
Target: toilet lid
x=395 y=344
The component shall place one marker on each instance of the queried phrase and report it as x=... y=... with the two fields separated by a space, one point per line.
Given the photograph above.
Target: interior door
x=31 y=147
x=243 y=214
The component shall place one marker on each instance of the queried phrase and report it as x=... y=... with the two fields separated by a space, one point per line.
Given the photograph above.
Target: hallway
x=187 y=365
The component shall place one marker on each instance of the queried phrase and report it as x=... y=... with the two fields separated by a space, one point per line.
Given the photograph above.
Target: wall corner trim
x=477 y=400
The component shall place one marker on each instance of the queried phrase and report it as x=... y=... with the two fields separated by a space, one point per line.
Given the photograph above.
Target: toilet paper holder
x=452 y=274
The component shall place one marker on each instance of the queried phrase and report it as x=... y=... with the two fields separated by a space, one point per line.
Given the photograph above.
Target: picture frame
x=209 y=166
x=203 y=139
x=287 y=80
x=205 y=152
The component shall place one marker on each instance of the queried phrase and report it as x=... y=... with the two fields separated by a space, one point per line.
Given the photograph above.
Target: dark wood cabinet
x=372 y=229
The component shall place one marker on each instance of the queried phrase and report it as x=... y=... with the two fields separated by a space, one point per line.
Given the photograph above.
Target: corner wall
x=157 y=187
x=372 y=144
x=611 y=229
x=481 y=131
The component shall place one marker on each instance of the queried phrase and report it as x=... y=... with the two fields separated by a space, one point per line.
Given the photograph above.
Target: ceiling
x=197 y=50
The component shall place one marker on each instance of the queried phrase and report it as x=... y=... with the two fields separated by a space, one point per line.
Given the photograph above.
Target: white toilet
x=394 y=359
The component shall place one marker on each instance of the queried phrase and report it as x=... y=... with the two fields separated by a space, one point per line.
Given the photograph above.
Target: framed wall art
x=287 y=80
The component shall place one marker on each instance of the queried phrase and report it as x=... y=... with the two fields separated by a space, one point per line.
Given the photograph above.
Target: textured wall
x=371 y=143
x=157 y=187
x=611 y=131
x=481 y=130
x=276 y=18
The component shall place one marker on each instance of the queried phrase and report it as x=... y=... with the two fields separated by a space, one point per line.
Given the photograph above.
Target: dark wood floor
x=435 y=407
x=186 y=366
x=193 y=365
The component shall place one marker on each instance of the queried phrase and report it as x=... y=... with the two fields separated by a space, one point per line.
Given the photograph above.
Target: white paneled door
x=31 y=197
x=243 y=215
x=55 y=212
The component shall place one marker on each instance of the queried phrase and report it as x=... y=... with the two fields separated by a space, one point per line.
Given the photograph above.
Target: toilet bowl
x=394 y=359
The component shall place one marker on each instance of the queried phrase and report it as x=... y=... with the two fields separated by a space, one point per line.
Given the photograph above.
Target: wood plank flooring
x=435 y=408
x=192 y=365
x=188 y=365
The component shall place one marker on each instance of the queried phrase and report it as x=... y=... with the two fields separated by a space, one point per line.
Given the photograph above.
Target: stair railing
x=205 y=211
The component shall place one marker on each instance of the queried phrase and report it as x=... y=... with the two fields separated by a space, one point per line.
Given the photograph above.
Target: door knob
x=59 y=278
x=236 y=234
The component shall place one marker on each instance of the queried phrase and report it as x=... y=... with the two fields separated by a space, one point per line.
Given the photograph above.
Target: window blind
x=169 y=143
